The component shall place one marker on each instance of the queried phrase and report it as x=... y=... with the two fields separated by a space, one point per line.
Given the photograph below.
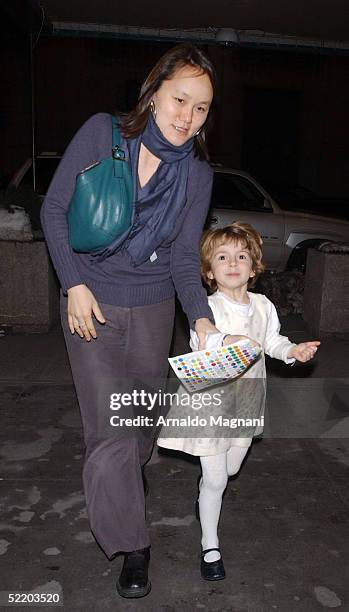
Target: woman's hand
x=304 y=351
x=203 y=327
x=81 y=304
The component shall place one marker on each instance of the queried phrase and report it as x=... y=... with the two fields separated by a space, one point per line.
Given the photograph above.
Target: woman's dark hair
x=134 y=122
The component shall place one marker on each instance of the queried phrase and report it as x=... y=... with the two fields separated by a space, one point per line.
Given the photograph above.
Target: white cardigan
x=257 y=320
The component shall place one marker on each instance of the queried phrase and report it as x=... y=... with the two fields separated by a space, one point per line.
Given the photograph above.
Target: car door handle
x=213 y=220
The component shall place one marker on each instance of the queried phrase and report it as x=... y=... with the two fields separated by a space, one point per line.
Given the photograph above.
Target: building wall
x=323 y=129
x=77 y=77
x=15 y=104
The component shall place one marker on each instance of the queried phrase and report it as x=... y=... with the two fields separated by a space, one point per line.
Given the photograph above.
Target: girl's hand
x=203 y=327
x=81 y=304
x=229 y=339
x=304 y=351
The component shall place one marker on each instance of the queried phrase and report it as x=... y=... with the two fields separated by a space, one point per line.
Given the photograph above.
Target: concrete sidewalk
x=284 y=525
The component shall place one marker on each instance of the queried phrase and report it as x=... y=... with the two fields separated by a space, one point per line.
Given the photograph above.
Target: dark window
x=236 y=192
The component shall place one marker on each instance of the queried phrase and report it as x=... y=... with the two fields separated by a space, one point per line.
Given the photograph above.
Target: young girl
x=231 y=261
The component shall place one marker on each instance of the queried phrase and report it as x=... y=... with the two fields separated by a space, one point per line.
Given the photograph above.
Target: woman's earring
x=198 y=132
x=153 y=109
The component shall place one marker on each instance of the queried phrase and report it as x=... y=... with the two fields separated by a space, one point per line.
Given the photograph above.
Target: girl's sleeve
x=80 y=153
x=185 y=256
x=276 y=345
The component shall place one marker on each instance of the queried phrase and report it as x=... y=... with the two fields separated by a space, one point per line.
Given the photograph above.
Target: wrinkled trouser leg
x=134 y=342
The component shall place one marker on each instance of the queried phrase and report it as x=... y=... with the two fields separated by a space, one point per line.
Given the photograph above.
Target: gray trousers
x=134 y=342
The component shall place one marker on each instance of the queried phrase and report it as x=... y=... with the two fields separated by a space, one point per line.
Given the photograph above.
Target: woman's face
x=182 y=104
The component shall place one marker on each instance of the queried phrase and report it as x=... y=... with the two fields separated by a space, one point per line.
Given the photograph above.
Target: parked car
x=236 y=196
x=45 y=166
x=23 y=191
x=286 y=235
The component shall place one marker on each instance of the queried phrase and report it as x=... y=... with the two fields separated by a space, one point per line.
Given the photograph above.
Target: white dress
x=244 y=396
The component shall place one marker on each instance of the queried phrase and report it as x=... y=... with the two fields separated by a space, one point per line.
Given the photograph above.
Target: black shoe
x=133 y=580
x=212 y=570
x=197 y=507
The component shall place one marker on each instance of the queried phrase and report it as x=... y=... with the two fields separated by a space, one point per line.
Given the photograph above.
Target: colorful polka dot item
x=202 y=369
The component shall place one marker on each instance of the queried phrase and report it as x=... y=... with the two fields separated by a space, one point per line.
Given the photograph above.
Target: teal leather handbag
x=101 y=209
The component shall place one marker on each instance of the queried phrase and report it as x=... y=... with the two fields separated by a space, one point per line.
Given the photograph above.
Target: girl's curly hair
x=237 y=232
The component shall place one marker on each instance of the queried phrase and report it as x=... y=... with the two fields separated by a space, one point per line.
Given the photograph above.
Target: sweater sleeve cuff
x=69 y=279
x=196 y=307
x=289 y=360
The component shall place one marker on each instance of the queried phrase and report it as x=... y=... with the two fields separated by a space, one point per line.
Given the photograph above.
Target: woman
x=118 y=312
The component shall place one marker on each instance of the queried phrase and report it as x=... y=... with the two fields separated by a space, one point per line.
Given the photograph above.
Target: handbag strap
x=117 y=153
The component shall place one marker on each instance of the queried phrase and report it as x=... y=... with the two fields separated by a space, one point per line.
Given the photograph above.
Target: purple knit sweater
x=115 y=280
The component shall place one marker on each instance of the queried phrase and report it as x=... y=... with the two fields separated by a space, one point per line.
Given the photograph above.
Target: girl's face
x=182 y=104
x=231 y=267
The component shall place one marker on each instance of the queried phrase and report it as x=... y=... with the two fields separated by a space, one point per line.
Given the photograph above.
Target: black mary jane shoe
x=133 y=581
x=212 y=570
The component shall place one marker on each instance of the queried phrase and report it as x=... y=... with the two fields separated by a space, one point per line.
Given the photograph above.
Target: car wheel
x=298 y=260
x=298 y=257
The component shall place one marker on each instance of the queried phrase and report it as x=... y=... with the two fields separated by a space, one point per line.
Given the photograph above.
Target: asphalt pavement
x=284 y=524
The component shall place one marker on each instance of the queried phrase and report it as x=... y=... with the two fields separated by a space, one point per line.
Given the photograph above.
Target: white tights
x=215 y=472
